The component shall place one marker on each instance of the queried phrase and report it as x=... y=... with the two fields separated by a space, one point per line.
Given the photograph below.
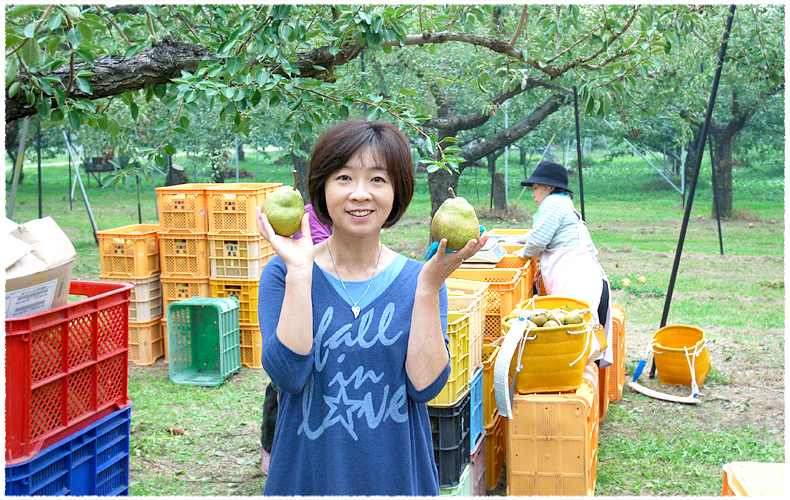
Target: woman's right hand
x=294 y=253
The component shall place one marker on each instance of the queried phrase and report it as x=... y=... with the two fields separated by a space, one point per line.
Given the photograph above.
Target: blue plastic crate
x=476 y=406
x=92 y=461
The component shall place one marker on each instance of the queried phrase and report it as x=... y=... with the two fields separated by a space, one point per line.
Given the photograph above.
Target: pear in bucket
x=455 y=220
x=284 y=208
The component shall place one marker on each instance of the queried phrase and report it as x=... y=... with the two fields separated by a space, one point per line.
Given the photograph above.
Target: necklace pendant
x=355 y=310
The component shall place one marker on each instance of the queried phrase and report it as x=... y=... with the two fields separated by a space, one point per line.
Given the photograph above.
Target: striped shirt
x=554 y=226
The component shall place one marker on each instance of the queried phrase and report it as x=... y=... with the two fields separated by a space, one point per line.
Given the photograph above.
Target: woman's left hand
x=442 y=265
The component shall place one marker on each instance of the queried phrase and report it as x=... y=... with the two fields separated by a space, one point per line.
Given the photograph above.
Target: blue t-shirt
x=350 y=421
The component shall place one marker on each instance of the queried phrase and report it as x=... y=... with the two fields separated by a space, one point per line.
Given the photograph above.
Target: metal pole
x=20 y=159
x=579 y=149
x=71 y=193
x=257 y=162
x=715 y=194
x=236 y=142
x=84 y=194
x=38 y=146
x=507 y=154
x=695 y=176
x=139 y=208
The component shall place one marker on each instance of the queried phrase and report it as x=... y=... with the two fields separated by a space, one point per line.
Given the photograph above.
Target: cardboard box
x=38 y=265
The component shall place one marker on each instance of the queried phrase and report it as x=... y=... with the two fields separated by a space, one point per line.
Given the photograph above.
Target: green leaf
x=30 y=53
x=160 y=91
x=170 y=149
x=72 y=12
x=134 y=110
x=84 y=85
x=13 y=89
x=74 y=36
x=234 y=64
x=55 y=21
x=12 y=65
x=86 y=31
x=74 y=119
x=85 y=55
x=21 y=10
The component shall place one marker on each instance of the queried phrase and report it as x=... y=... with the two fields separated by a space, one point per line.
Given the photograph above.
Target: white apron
x=575 y=273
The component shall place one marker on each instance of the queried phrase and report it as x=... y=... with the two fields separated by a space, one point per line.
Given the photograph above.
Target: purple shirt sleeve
x=318 y=230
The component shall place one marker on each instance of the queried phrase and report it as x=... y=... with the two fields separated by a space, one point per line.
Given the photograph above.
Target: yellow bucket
x=674 y=348
x=553 y=359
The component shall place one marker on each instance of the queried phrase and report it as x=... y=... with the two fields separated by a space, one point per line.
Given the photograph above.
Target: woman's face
x=540 y=192
x=359 y=196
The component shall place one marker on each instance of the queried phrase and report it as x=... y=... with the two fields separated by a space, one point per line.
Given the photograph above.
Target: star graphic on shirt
x=341 y=409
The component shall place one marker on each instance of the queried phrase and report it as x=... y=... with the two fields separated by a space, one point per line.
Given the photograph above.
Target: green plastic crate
x=462 y=489
x=203 y=340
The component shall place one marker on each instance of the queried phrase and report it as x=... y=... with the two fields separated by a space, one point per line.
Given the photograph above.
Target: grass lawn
x=646 y=447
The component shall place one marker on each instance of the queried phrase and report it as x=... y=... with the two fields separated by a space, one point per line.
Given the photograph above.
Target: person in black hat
x=568 y=263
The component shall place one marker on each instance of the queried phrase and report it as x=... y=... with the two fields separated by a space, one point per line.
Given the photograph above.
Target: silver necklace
x=355 y=308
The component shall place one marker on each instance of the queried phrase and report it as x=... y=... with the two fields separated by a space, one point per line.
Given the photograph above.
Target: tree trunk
x=498 y=183
x=176 y=175
x=240 y=151
x=691 y=159
x=722 y=160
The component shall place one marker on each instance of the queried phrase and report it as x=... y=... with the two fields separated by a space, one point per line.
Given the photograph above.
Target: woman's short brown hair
x=338 y=144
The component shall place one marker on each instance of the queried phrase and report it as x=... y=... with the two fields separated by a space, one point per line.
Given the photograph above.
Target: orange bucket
x=675 y=349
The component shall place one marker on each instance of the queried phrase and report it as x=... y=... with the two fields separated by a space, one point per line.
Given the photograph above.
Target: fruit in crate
x=550 y=324
x=574 y=317
x=455 y=220
x=284 y=208
x=558 y=315
x=539 y=318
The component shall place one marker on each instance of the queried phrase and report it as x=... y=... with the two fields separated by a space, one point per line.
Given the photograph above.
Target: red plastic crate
x=65 y=367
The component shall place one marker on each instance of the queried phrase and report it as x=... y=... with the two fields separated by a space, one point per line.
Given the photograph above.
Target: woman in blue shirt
x=354 y=334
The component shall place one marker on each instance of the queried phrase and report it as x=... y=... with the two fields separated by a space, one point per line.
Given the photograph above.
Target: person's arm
x=544 y=228
x=427 y=356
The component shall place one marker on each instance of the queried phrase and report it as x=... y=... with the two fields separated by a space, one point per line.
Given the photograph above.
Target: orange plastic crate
x=474 y=302
x=458 y=383
x=504 y=293
x=603 y=392
x=238 y=256
x=182 y=208
x=174 y=289
x=146 y=302
x=617 y=370
x=145 y=342
x=751 y=479
x=164 y=337
x=245 y=291
x=489 y=399
x=496 y=449
x=184 y=255
x=553 y=442
x=251 y=343
x=231 y=207
x=129 y=251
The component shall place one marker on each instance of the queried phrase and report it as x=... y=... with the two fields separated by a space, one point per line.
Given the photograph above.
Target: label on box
x=30 y=300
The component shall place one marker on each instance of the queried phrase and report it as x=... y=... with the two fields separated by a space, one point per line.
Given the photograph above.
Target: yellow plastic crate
x=251 y=343
x=182 y=208
x=129 y=251
x=458 y=383
x=474 y=302
x=617 y=370
x=245 y=291
x=145 y=342
x=496 y=449
x=174 y=289
x=504 y=293
x=184 y=255
x=498 y=232
x=753 y=479
x=145 y=303
x=553 y=442
x=238 y=256
x=231 y=207
x=489 y=399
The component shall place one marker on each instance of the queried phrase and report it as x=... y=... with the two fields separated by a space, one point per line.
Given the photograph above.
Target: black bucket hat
x=549 y=173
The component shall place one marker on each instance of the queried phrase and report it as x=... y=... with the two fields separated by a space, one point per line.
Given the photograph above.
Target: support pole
x=20 y=158
x=579 y=149
x=715 y=195
x=71 y=193
x=139 y=208
x=82 y=188
x=38 y=147
x=695 y=176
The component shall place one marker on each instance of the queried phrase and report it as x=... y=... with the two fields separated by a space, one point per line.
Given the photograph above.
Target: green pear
x=550 y=324
x=284 y=208
x=558 y=315
x=539 y=318
x=455 y=220
x=574 y=317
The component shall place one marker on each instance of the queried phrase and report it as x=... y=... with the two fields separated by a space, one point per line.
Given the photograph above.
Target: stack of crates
x=237 y=254
x=67 y=409
x=552 y=441
x=183 y=243
x=131 y=253
x=494 y=425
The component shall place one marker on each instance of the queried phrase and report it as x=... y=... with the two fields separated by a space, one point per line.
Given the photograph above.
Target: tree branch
x=519 y=27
